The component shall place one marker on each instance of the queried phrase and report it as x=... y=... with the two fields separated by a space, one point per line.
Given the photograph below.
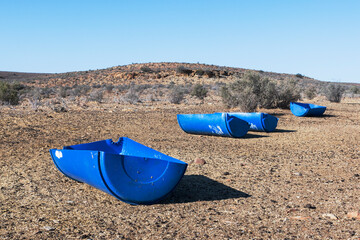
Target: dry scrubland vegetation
x=166 y=83
x=299 y=182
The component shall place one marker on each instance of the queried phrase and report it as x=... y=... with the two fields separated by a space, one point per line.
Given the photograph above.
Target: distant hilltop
x=152 y=73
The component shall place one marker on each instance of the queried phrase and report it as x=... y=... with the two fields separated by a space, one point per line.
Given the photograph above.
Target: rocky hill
x=151 y=73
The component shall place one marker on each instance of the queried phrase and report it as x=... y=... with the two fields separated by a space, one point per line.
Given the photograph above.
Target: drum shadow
x=250 y=135
x=284 y=130
x=194 y=188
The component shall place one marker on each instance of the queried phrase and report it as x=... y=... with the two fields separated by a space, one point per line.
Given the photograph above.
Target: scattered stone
x=292 y=210
x=226 y=173
x=199 y=161
x=309 y=206
x=300 y=218
x=354 y=215
x=48 y=228
x=297 y=174
x=329 y=215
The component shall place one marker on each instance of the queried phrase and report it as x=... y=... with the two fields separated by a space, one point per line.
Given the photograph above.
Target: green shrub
x=176 y=95
x=9 y=93
x=63 y=92
x=199 y=91
x=199 y=72
x=355 y=90
x=132 y=96
x=310 y=93
x=183 y=70
x=146 y=69
x=286 y=93
x=209 y=73
x=299 y=75
x=334 y=93
x=245 y=99
x=252 y=91
x=96 y=95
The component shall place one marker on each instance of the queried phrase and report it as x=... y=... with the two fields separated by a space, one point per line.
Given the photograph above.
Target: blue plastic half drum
x=258 y=121
x=127 y=170
x=306 y=109
x=216 y=124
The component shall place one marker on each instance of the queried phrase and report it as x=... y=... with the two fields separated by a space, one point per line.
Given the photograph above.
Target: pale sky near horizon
x=317 y=38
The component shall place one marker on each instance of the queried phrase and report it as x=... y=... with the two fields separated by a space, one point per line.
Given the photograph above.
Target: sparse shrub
x=310 y=93
x=79 y=90
x=132 y=96
x=146 y=69
x=140 y=88
x=209 y=73
x=199 y=72
x=286 y=93
x=183 y=70
x=96 y=95
x=58 y=105
x=122 y=87
x=245 y=99
x=355 y=90
x=97 y=86
x=176 y=95
x=299 y=75
x=109 y=88
x=199 y=91
x=9 y=93
x=63 y=92
x=334 y=93
x=252 y=91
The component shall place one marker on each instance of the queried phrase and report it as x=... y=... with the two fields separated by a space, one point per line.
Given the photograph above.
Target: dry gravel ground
x=276 y=185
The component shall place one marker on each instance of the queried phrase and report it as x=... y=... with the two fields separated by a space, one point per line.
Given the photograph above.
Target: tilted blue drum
x=216 y=124
x=306 y=109
x=258 y=121
x=127 y=170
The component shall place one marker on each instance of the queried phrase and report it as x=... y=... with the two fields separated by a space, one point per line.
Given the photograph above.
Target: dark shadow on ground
x=284 y=130
x=277 y=114
x=327 y=115
x=249 y=135
x=193 y=188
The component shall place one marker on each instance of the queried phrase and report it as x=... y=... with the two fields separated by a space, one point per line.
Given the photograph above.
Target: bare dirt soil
x=298 y=182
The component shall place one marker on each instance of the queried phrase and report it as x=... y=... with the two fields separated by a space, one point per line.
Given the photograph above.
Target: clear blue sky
x=317 y=38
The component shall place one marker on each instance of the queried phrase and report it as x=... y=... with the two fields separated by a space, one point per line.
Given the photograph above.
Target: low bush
x=310 y=93
x=146 y=69
x=10 y=93
x=286 y=93
x=355 y=90
x=199 y=72
x=183 y=70
x=334 y=93
x=252 y=91
x=177 y=94
x=96 y=95
x=245 y=99
x=299 y=75
x=132 y=96
x=199 y=91
x=209 y=73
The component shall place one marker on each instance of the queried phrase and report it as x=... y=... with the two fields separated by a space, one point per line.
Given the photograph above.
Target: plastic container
x=306 y=109
x=258 y=121
x=127 y=170
x=215 y=124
